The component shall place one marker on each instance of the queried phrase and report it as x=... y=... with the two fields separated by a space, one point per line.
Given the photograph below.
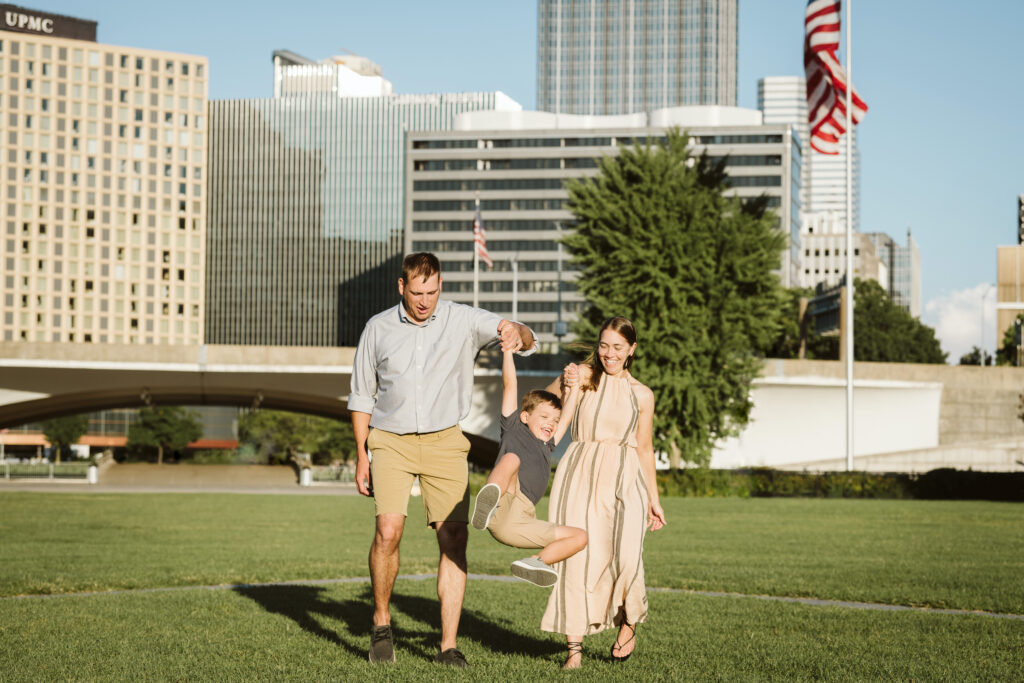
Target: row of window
x=491 y=205
x=526 y=286
x=492 y=245
x=503 y=184
x=87 y=286
x=752 y=181
x=79 y=56
x=445 y=143
x=500 y=266
x=497 y=225
x=534 y=306
x=58 y=302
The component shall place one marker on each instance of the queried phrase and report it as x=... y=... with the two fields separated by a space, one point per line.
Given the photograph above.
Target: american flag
x=826 y=79
x=480 y=239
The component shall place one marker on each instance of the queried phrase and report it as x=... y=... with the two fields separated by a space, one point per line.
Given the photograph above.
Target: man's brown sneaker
x=451 y=657
x=381 y=647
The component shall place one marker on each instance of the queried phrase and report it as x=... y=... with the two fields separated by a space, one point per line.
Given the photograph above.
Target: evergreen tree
x=976 y=356
x=657 y=241
x=886 y=333
x=165 y=428
x=1006 y=354
x=64 y=431
x=280 y=436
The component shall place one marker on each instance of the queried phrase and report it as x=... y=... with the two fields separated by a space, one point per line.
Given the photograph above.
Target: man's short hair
x=538 y=396
x=421 y=264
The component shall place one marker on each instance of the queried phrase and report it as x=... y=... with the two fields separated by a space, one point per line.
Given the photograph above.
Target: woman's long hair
x=625 y=328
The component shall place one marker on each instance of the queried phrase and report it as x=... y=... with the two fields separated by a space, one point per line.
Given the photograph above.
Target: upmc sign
x=14 y=18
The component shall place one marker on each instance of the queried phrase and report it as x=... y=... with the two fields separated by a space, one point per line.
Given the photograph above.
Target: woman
x=605 y=484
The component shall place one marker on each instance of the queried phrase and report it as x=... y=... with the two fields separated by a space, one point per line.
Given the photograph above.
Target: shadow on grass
x=416 y=629
x=304 y=604
x=472 y=626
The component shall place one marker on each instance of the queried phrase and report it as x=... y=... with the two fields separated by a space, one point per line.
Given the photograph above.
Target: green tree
x=976 y=356
x=165 y=428
x=658 y=241
x=787 y=343
x=280 y=436
x=886 y=333
x=64 y=431
x=1006 y=354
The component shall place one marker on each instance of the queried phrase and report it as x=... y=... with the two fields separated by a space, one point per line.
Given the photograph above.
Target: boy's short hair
x=534 y=398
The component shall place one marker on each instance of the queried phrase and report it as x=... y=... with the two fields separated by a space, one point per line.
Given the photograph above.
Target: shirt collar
x=404 y=317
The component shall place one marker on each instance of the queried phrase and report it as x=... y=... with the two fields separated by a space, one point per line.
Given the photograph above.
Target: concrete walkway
x=176 y=478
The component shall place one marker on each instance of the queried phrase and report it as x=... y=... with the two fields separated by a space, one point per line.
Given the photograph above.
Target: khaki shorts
x=515 y=522
x=440 y=461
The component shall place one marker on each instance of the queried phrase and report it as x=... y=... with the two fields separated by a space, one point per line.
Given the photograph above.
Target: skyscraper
x=307 y=201
x=104 y=168
x=904 y=265
x=783 y=99
x=624 y=56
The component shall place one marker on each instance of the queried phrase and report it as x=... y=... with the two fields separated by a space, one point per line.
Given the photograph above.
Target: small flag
x=826 y=78
x=480 y=239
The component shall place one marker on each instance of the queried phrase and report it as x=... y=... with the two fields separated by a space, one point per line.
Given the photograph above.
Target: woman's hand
x=655 y=516
x=571 y=375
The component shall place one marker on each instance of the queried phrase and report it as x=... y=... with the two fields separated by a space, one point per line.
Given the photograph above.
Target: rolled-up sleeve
x=363 y=389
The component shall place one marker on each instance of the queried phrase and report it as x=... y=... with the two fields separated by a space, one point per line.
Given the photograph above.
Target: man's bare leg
x=384 y=564
x=451 y=578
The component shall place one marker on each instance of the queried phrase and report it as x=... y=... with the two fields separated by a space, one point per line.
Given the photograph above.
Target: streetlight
x=561 y=329
x=988 y=289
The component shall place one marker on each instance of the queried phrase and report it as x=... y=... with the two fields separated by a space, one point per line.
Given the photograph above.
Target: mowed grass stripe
x=304 y=632
x=815 y=602
x=947 y=555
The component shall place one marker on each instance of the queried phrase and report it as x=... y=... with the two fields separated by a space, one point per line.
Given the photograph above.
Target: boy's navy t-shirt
x=534 y=455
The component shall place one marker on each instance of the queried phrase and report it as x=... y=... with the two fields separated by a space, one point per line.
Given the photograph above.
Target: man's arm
x=510 y=391
x=361 y=428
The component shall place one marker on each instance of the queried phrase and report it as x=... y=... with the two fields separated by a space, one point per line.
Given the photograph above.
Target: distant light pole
x=988 y=289
x=561 y=329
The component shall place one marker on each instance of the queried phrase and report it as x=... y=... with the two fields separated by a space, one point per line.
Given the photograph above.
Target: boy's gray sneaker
x=381 y=647
x=485 y=506
x=535 y=570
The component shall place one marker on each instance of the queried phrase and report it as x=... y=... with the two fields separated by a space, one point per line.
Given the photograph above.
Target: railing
x=45 y=470
x=332 y=474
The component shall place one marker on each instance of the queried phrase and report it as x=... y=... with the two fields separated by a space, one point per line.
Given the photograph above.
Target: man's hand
x=508 y=333
x=363 y=481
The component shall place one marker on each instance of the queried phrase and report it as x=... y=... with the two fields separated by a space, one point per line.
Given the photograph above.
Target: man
x=412 y=382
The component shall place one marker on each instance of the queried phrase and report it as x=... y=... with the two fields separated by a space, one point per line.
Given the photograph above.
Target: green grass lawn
x=964 y=555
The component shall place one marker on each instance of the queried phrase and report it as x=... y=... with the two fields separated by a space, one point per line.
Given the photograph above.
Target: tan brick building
x=103 y=160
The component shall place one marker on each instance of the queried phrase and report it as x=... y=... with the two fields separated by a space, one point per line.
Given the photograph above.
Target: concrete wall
x=907 y=417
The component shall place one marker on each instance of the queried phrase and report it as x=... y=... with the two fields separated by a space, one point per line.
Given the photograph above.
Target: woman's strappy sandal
x=617 y=646
x=575 y=648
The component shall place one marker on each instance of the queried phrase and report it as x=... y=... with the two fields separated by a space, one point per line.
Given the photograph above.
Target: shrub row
x=940 y=484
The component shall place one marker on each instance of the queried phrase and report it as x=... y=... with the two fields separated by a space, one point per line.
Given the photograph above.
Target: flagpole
x=515 y=286
x=476 y=260
x=849 y=243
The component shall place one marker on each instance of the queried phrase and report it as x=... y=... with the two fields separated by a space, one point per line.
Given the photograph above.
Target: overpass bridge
x=908 y=417
x=44 y=380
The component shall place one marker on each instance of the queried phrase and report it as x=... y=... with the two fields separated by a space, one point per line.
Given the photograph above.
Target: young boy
x=505 y=505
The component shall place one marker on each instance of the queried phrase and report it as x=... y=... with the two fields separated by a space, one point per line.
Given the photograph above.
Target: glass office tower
x=626 y=56
x=306 y=211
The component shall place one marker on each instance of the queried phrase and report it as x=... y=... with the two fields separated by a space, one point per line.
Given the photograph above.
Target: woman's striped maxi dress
x=599 y=487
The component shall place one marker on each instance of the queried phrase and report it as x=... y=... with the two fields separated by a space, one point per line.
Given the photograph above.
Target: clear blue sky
x=942 y=145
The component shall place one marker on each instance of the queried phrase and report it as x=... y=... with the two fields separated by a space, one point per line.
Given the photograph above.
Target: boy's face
x=541 y=421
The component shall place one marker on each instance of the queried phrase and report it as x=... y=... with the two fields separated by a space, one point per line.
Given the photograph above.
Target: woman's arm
x=645 y=452
x=570 y=397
